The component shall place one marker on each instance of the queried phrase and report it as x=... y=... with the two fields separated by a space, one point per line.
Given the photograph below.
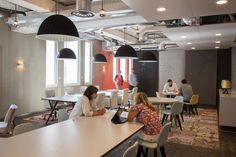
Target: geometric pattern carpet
x=201 y=130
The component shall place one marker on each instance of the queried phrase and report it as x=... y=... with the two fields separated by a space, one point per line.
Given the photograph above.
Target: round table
x=156 y=100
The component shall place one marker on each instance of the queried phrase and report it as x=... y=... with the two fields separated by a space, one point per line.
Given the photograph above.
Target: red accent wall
x=103 y=72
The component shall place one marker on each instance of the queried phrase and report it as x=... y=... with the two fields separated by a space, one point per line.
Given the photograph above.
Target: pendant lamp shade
x=99 y=58
x=57 y=28
x=126 y=51
x=148 y=57
x=66 y=53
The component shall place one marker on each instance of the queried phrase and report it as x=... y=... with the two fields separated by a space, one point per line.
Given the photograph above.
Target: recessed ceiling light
x=161 y=9
x=217 y=47
x=218 y=34
x=220 y=2
x=183 y=36
x=217 y=42
x=193 y=48
x=189 y=43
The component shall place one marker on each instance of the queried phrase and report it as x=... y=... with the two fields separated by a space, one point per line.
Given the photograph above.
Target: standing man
x=170 y=89
x=133 y=82
x=186 y=90
x=119 y=80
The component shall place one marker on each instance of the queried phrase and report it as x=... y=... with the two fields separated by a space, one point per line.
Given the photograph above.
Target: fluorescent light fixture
x=183 y=36
x=218 y=34
x=220 y=2
x=189 y=43
x=217 y=47
x=161 y=9
x=217 y=42
x=193 y=48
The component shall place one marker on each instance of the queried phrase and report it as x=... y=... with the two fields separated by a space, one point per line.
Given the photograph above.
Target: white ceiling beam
x=36 y=5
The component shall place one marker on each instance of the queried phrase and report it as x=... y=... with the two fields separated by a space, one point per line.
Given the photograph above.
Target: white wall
x=171 y=66
x=23 y=87
x=233 y=74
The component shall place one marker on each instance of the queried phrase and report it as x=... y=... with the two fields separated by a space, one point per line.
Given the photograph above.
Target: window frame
x=90 y=60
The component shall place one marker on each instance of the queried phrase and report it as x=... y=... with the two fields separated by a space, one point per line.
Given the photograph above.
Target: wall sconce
x=20 y=64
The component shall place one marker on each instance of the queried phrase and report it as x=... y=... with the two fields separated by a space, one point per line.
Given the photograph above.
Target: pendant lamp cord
x=125 y=36
x=102 y=4
x=15 y=13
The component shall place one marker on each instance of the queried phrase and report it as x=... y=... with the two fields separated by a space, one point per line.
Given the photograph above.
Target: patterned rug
x=201 y=130
x=40 y=120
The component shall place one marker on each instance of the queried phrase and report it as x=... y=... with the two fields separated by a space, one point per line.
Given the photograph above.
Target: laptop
x=117 y=118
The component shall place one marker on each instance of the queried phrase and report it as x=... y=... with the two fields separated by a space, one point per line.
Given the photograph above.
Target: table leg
x=53 y=107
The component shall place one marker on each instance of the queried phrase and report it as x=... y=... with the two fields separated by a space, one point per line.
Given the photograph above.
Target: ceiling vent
x=83 y=9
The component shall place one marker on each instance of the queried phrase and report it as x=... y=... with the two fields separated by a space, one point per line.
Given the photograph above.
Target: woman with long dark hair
x=86 y=105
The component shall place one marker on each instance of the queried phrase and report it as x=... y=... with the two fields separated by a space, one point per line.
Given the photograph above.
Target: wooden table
x=156 y=100
x=80 y=137
x=53 y=101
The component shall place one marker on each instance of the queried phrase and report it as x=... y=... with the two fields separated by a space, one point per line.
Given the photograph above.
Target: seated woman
x=86 y=105
x=146 y=114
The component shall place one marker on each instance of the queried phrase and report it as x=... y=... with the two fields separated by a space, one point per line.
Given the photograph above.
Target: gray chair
x=174 y=112
x=6 y=126
x=160 y=143
x=22 y=128
x=62 y=115
x=111 y=100
x=131 y=151
x=100 y=100
x=123 y=98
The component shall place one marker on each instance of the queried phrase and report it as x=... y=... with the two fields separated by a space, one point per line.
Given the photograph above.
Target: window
x=114 y=67
x=71 y=65
x=87 y=64
x=50 y=64
x=123 y=68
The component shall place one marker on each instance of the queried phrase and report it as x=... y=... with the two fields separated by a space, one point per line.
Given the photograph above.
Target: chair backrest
x=131 y=151
x=22 y=128
x=62 y=115
x=50 y=93
x=10 y=113
x=163 y=136
x=180 y=98
x=125 y=97
x=69 y=90
x=114 y=95
x=194 y=99
x=100 y=100
x=158 y=95
x=177 y=108
x=82 y=89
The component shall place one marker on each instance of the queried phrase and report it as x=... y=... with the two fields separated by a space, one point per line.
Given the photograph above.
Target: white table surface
x=81 y=137
x=162 y=100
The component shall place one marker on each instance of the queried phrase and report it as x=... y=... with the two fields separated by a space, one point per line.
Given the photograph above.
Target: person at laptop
x=86 y=105
x=146 y=114
x=170 y=89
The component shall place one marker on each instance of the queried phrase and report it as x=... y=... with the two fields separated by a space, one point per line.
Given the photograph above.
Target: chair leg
x=163 y=119
x=155 y=152
x=196 y=109
x=182 y=116
x=167 y=117
x=146 y=152
x=163 y=153
x=140 y=151
x=179 y=122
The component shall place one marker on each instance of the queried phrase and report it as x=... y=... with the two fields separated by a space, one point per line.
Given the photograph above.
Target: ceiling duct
x=83 y=9
x=151 y=36
x=192 y=21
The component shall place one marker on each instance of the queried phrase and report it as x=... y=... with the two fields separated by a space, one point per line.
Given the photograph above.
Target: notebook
x=119 y=118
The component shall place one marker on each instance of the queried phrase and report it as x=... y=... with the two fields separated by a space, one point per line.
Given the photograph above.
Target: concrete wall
x=22 y=86
x=233 y=68
x=171 y=66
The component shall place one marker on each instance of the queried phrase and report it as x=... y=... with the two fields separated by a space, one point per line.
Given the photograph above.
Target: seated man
x=186 y=90
x=170 y=89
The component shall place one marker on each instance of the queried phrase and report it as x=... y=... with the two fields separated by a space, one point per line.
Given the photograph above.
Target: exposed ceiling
x=145 y=25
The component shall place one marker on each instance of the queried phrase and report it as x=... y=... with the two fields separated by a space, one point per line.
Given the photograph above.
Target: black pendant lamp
x=148 y=57
x=99 y=58
x=57 y=28
x=66 y=53
x=126 y=51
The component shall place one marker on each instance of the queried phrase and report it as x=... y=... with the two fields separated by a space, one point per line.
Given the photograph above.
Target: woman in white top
x=86 y=105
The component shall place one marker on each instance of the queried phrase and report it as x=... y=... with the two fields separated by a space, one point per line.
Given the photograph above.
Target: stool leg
x=155 y=152
x=179 y=122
